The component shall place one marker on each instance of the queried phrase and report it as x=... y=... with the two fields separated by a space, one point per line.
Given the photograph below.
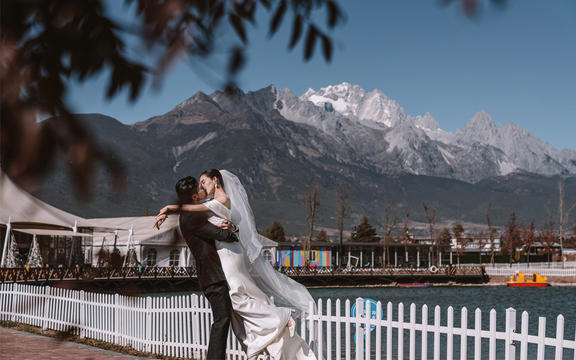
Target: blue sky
x=517 y=63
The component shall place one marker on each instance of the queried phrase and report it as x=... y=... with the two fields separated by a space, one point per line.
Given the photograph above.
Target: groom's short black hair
x=185 y=188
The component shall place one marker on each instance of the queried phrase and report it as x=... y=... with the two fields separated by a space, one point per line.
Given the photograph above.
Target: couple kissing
x=233 y=275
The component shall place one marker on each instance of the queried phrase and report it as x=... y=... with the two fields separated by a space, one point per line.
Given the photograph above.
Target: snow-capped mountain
x=282 y=145
x=523 y=150
x=352 y=101
x=381 y=130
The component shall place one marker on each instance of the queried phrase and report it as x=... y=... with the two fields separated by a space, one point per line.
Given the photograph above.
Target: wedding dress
x=257 y=321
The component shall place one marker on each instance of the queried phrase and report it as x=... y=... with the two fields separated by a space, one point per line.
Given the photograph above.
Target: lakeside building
x=359 y=254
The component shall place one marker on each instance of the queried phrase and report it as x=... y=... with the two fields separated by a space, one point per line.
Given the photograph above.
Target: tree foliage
x=444 y=237
x=548 y=238
x=458 y=231
x=528 y=238
x=275 y=232
x=364 y=232
x=322 y=236
x=511 y=238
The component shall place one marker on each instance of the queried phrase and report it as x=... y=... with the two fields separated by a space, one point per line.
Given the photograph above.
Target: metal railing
x=98 y=273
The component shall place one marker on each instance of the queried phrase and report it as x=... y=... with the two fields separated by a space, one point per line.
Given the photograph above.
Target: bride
x=257 y=321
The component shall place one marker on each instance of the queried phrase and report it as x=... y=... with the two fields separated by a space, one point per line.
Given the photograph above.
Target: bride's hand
x=227 y=225
x=159 y=220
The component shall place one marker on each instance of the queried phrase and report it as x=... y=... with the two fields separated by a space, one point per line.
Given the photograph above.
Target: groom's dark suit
x=200 y=236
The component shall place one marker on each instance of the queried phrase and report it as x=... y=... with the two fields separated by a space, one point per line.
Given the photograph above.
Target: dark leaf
x=296 y=31
x=136 y=85
x=327 y=48
x=278 y=16
x=310 y=42
x=236 y=60
x=238 y=25
x=231 y=89
x=334 y=13
x=245 y=10
x=217 y=15
x=265 y=3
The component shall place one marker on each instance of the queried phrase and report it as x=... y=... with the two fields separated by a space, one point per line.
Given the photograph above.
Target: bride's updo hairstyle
x=215 y=173
x=185 y=188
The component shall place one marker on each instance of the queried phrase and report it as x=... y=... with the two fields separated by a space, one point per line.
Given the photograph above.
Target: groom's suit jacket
x=200 y=235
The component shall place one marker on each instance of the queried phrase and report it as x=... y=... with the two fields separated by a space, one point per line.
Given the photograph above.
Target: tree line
x=514 y=239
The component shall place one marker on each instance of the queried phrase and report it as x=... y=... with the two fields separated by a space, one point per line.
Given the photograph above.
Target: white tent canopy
x=21 y=207
x=143 y=231
x=50 y=232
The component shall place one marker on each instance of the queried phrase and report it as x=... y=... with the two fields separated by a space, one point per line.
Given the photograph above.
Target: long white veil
x=285 y=291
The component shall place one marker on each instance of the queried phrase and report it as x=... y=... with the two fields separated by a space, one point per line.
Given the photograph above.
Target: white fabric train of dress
x=257 y=322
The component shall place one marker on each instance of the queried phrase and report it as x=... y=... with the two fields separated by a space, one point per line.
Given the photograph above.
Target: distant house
x=475 y=243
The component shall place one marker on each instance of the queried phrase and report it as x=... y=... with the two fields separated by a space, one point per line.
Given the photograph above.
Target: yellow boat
x=520 y=279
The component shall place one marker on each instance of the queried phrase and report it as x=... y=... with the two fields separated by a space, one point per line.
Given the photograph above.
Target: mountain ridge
x=281 y=146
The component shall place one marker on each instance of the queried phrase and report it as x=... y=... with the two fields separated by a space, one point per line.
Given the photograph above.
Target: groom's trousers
x=219 y=299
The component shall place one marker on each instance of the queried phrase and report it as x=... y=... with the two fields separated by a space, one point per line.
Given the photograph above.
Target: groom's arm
x=213 y=232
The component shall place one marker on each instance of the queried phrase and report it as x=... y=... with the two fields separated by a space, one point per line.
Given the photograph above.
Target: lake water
x=547 y=302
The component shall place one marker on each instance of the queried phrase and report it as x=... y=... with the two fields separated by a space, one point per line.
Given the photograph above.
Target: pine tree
x=131 y=258
x=322 y=236
x=116 y=258
x=103 y=257
x=34 y=256
x=364 y=232
x=13 y=255
x=275 y=232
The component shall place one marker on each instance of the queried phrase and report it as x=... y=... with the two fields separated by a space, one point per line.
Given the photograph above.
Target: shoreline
x=491 y=283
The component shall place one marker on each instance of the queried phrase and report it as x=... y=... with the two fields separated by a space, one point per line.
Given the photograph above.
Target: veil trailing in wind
x=284 y=290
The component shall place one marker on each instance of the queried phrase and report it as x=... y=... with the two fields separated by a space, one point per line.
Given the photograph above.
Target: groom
x=200 y=236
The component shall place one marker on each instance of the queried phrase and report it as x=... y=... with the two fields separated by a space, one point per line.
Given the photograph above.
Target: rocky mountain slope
x=282 y=145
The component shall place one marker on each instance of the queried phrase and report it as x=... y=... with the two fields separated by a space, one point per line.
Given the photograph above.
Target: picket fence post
x=148 y=324
x=464 y=336
x=424 y=349
x=560 y=337
x=116 y=318
x=318 y=330
x=510 y=347
x=82 y=315
x=46 y=305
x=359 y=333
x=14 y=302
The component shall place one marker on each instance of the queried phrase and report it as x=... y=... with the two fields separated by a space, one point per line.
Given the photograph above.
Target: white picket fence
x=559 y=269
x=542 y=271
x=179 y=326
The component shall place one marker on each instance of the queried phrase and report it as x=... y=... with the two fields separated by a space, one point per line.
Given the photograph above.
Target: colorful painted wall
x=289 y=256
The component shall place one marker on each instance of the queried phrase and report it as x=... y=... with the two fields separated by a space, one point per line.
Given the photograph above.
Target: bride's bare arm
x=172 y=209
